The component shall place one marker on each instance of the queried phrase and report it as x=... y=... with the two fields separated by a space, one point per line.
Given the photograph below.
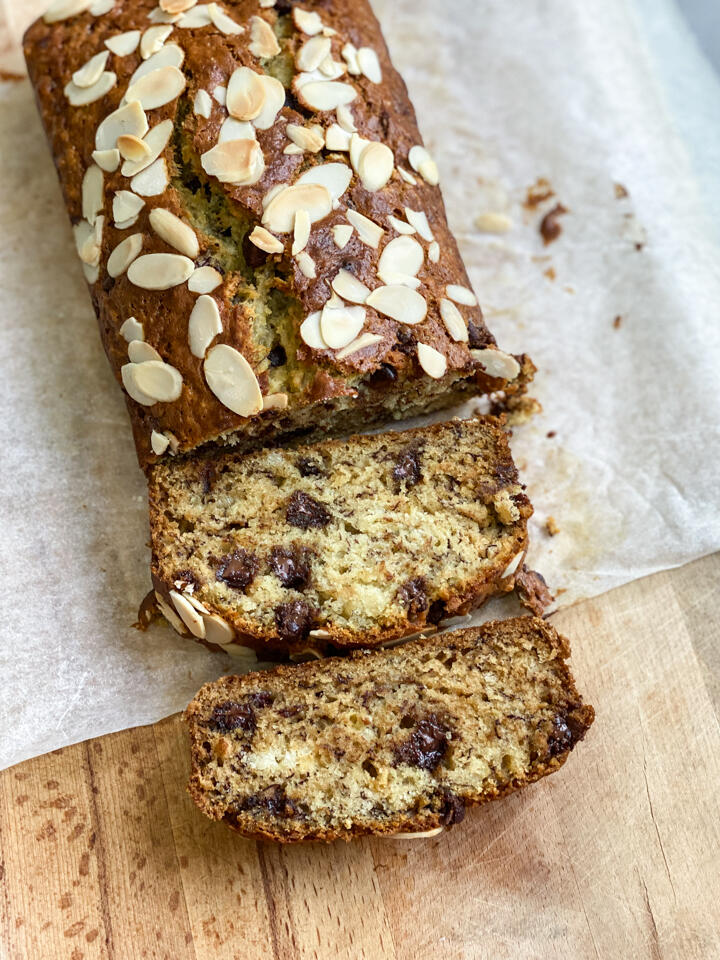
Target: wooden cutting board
x=103 y=855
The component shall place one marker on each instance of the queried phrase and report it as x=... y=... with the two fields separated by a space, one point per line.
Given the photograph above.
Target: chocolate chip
x=186 y=577
x=291 y=711
x=238 y=569
x=291 y=566
x=294 y=620
x=407 y=468
x=427 y=746
x=384 y=376
x=413 y=595
x=437 y=611
x=305 y=511
x=478 y=337
x=533 y=591
x=233 y=716
x=277 y=356
x=453 y=808
x=273 y=799
x=260 y=699
x=254 y=256
x=307 y=467
x=568 y=729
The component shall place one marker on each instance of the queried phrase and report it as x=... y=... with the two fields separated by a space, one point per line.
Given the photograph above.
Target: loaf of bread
x=261 y=227
x=386 y=741
x=340 y=544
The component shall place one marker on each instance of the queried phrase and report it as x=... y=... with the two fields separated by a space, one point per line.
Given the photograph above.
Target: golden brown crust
x=339 y=394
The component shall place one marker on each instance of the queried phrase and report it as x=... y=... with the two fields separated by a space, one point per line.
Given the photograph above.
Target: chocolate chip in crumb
x=567 y=731
x=427 y=746
x=260 y=699
x=291 y=566
x=294 y=620
x=232 y=715
x=413 y=595
x=453 y=808
x=384 y=376
x=310 y=468
x=407 y=468
x=478 y=337
x=273 y=799
x=277 y=356
x=238 y=569
x=437 y=611
x=305 y=511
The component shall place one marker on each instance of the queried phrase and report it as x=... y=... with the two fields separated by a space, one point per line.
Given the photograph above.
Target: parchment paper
x=587 y=94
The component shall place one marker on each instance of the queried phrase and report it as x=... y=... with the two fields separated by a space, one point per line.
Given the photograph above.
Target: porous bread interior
x=458 y=526
x=334 y=752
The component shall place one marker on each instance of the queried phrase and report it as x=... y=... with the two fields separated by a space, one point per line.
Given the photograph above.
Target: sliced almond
x=127 y=119
x=279 y=216
x=158 y=380
x=375 y=166
x=93 y=193
x=176 y=6
x=91 y=72
x=347 y=286
x=82 y=96
x=332 y=70
x=306 y=264
x=453 y=320
x=461 y=295
x=233 y=129
x=235 y=161
x=369 y=64
x=263 y=42
x=301 y=232
x=419 y=220
x=169 y=55
x=392 y=278
x=264 y=240
x=511 y=568
x=306 y=21
x=131 y=330
x=434 y=252
x=495 y=363
x=100 y=7
x=204 y=280
x=202 y=104
x=340 y=325
x=123 y=44
x=345 y=118
x=126 y=206
x=64 y=9
x=160 y=271
x=152 y=181
x=402 y=255
x=133 y=148
x=292 y=150
x=307 y=138
x=197 y=17
x=275 y=401
x=175 y=231
x=223 y=22
x=154 y=38
x=432 y=361
x=158 y=15
x=310 y=332
x=124 y=254
x=337 y=139
x=363 y=341
x=368 y=231
x=141 y=352
x=341 y=235
x=335 y=177
x=274 y=102
x=128 y=374
x=407 y=177
x=493 y=222
x=420 y=835
x=232 y=380
x=218 y=631
x=159 y=443
x=172 y=618
x=399 y=303
x=88 y=241
x=204 y=325
x=272 y=193
x=328 y=95
x=421 y=160
x=157 y=88
x=312 y=53
x=350 y=56
x=108 y=160
x=189 y=615
x=245 y=94
x=220 y=95
x=156 y=139
x=406 y=229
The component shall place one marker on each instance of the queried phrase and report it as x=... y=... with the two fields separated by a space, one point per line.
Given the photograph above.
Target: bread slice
x=386 y=741
x=342 y=544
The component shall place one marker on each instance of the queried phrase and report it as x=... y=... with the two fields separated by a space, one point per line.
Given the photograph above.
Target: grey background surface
x=704 y=19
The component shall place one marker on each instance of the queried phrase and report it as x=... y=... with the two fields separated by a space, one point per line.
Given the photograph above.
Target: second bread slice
x=341 y=544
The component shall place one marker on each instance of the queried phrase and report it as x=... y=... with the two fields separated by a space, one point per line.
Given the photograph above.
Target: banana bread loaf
x=340 y=544
x=386 y=741
x=259 y=223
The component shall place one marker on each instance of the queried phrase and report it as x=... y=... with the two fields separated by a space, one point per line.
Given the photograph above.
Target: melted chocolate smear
x=232 y=715
x=238 y=569
x=291 y=566
x=427 y=746
x=305 y=511
x=294 y=620
x=413 y=595
x=407 y=468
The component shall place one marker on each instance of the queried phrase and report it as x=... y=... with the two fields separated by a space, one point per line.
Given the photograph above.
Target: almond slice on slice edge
x=232 y=380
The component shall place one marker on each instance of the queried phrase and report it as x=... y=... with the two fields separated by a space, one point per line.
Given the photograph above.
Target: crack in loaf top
x=259 y=222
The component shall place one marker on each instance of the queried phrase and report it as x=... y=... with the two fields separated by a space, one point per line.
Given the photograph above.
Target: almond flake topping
x=172 y=618
x=308 y=23
x=218 y=630
x=370 y=233
x=420 y=835
x=133 y=148
x=245 y=94
x=326 y=95
x=495 y=363
x=307 y=138
x=128 y=119
x=310 y=332
x=419 y=220
x=301 y=231
x=141 y=352
x=461 y=295
x=92 y=193
x=126 y=206
x=176 y=6
x=197 y=17
x=264 y=240
x=335 y=177
x=274 y=101
x=156 y=139
x=88 y=241
x=293 y=150
x=434 y=252
x=100 y=7
x=266 y=4
x=403 y=255
x=158 y=15
x=407 y=177
x=157 y=380
x=372 y=161
x=347 y=286
x=204 y=325
x=363 y=341
x=276 y=401
x=220 y=95
x=399 y=303
x=169 y=55
x=312 y=53
x=107 y=160
x=339 y=326
x=432 y=361
x=202 y=104
x=222 y=21
x=235 y=161
x=511 y=568
x=82 y=96
x=159 y=443
x=154 y=38
x=204 y=280
x=160 y=271
x=124 y=254
x=152 y=181
x=132 y=329
x=279 y=216
x=337 y=139
x=345 y=118
x=263 y=42
x=341 y=235
x=400 y=226
x=64 y=9
x=232 y=380
x=174 y=231
x=233 y=129
x=421 y=160
x=89 y=74
x=331 y=69
x=453 y=320
x=350 y=56
x=306 y=264
x=369 y=64
x=157 y=88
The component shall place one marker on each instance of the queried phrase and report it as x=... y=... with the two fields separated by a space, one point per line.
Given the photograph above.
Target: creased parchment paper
x=585 y=94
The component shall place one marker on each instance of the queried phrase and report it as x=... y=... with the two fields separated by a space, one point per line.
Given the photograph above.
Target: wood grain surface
x=103 y=854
